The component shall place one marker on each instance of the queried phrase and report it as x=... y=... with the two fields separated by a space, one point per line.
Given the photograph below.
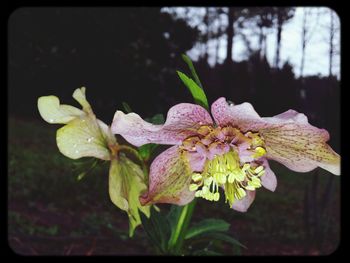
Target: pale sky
x=317 y=49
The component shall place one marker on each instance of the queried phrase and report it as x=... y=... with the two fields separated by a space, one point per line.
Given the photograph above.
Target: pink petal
x=169 y=179
x=289 y=115
x=300 y=146
x=217 y=148
x=243 y=204
x=289 y=138
x=268 y=180
x=182 y=121
x=196 y=160
x=243 y=115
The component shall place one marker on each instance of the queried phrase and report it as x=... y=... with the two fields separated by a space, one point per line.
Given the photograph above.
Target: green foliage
x=198 y=94
x=207 y=225
x=172 y=235
x=126 y=107
x=156 y=119
x=194 y=86
x=157 y=229
x=193 y=71
x=30 y=227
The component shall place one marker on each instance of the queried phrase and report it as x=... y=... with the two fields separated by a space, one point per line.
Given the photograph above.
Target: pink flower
x=231 y=152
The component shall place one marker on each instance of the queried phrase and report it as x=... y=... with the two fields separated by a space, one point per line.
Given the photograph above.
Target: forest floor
x=50 y=212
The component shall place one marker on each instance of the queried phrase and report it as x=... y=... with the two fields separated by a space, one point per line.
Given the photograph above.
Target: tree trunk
x=278 y=44
x=331 y=47
x=303 y=42
x=230 y=34
x=206 y=38
x=261 y=41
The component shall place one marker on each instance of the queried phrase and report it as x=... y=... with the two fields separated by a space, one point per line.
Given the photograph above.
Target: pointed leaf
x=126 y=107
x=157 y=229
x=197 y=93
x=193 y=71
x=207 y=225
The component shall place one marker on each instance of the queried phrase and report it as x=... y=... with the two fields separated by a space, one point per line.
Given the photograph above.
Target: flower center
x=231 y=162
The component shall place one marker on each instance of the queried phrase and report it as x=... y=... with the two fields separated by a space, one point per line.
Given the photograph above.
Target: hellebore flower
x=231 y=152
x=86 y=136
x=83 y=135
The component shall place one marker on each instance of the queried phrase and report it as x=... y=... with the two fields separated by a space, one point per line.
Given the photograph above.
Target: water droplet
x=76 y=151
x=51 y=120
x=90 y=139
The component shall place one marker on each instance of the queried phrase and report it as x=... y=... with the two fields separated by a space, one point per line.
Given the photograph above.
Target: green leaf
x=207 y=225
x=126 y=106
x=220 y=237
x=156 y=119
x=146 y=150
x=197 y=93
x=179 y=219
x=193 y=71
x=157 y=229
x=86 y=166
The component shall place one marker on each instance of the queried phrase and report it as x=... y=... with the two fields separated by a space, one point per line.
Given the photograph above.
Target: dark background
x=131 y=55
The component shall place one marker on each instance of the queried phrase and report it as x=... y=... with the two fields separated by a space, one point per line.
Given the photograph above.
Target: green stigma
x=226 y=171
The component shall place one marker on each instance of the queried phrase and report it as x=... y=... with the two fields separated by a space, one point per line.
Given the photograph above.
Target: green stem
x=176 y=241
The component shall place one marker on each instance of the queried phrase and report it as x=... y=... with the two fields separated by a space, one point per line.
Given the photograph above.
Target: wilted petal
x=268 y=180
x=79 y=96
x=82 y=137
x=126 y=183
x=243 y=204
x=182 y=121
x=243 y=115
x=169 y=179
x=52 y=111
x=106 y=132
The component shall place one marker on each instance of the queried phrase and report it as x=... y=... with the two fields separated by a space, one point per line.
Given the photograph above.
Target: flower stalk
x=176 y=240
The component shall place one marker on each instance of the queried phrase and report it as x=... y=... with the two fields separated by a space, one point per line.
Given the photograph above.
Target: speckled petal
x=289 y=138
x=243 y=204
x=169 y=179
x=182 y=121
x=196 y=160
x=243 y=115
x=268 y=180
x=300 y=147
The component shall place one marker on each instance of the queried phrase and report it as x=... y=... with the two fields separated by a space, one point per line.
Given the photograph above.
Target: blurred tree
x=230 y=33
x=282 y=15
x=233 y=14
x=55 y=50
x=334 y=47
x=306 y=34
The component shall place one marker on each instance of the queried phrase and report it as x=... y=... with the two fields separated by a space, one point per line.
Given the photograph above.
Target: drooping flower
x=86 y=136
x=83 y=135
x=230 y=152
